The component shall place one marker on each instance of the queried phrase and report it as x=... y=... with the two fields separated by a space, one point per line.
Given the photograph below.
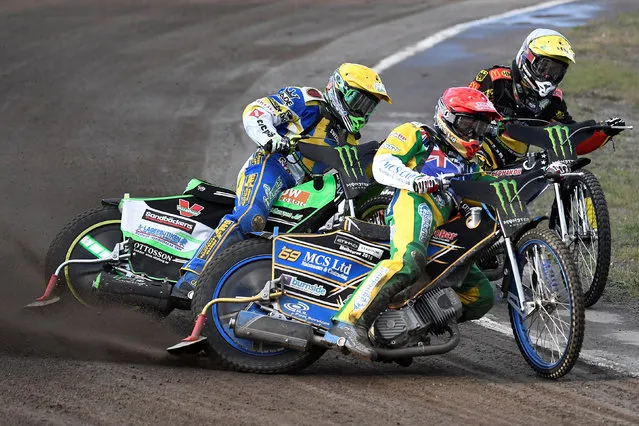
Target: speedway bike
x=579 y=213
x=265 y=304
x=130 y=250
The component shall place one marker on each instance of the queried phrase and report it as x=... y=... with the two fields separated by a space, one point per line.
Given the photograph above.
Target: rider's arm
x=393 y=158
x=290 y=104
x=598 y=138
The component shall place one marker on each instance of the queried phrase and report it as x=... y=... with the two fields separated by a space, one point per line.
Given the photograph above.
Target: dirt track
x=96 y=100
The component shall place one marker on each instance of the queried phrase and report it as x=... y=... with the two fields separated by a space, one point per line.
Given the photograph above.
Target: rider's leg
x=476 y=294
x=413 y=219
x=259 y=184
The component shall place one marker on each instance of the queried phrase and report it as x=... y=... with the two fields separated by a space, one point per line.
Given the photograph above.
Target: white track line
x=443 y=35
x=585 y=355
x=427 y=43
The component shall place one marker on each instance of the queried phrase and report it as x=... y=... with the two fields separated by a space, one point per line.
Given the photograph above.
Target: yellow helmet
x=353 y=91
x=541 y=63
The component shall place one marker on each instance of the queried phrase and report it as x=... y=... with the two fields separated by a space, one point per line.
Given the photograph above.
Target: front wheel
x=550 y=337
x=242 y=270
x=589 y=239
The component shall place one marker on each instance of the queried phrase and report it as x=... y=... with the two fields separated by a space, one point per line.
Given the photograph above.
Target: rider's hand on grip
x=425 y=184
x=614 y=122
x=279 y=145
x=558 y=167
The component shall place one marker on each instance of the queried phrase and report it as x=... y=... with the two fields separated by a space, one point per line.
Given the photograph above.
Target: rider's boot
x=192 y=269
x=352 y=322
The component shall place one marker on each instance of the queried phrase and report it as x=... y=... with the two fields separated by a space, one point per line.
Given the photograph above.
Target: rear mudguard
x=530 y=225
x=111 y=202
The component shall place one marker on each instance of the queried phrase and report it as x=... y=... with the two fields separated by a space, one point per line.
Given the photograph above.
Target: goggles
x=360 y=103
x=548 y=69
x=470 y=127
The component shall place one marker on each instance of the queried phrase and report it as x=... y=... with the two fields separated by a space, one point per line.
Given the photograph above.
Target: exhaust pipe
x=148 y=293
x=262 y=328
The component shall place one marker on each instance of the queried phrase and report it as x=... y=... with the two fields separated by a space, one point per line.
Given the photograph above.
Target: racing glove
x=280 y=145
x=615 y=121
x=559 y=167
x=425 y=184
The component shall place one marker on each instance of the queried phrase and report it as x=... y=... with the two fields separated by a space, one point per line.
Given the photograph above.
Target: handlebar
x=268 y=146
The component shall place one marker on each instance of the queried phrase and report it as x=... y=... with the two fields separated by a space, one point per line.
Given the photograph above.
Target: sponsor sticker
x=389 y=147
x=314 y=289
x=363 y=295
x=154 y=253
x=271 y=193
x=505 y=172
x=364 y=251
x=287 y=95
x=264 y=128
x=295 y=196
x=247 y=188
x=162 y=236
x=481 y=75
x=296 y=308
x=427 y=221
x=168 y=220
x=257 y=113
x=314 y=93
x=398 y=135
x=339 y=268
x=206 y=249
x=188 y=210
x=442 y=234
x=289 y=215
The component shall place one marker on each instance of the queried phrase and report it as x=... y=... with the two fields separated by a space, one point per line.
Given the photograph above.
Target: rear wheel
x=589 y=239
x=90 y=235
x=550 y=337
x=374 y=209
x=242 y=271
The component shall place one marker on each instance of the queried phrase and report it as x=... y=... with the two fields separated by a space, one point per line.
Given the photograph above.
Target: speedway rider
x=351 y=95
x=412 y=160
x=528 y=89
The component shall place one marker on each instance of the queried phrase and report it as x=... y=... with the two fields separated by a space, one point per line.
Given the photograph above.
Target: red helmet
x=463 y=116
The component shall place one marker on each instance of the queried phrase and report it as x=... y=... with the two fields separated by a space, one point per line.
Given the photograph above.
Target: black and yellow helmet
x=541 y=64
x=353 y=91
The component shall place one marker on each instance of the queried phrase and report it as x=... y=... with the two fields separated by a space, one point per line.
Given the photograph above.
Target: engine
x=430 y=312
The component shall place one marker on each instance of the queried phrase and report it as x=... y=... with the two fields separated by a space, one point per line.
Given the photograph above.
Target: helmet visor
x=548 y=69
x=360 y=103
x=470 y=127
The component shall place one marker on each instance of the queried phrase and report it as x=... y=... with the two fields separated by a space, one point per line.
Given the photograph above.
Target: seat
x=371 y=231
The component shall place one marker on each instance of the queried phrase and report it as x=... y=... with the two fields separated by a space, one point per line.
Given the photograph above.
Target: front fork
x=517 y=301
x=561 y=213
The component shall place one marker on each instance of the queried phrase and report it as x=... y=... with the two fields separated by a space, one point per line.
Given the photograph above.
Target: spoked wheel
x=493 y=261
x=374 y=209
x=550 y=337
x=91 y=235
x=242 y=270
x=588 y=226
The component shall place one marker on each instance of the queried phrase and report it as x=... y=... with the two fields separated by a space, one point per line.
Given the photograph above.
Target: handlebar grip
x=552 y=176
x=268 y=146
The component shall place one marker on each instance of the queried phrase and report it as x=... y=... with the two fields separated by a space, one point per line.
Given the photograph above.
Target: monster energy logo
x=507 y=192
x=558 y=135
x=348 y=155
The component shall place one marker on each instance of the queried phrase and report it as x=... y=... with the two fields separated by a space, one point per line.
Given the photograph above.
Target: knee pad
x=414 y=261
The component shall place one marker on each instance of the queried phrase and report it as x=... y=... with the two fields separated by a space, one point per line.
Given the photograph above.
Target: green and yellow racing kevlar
x=413 y=219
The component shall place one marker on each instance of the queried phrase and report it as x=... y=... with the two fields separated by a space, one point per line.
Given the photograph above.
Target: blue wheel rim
x=521 y=328
x=227 y=334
